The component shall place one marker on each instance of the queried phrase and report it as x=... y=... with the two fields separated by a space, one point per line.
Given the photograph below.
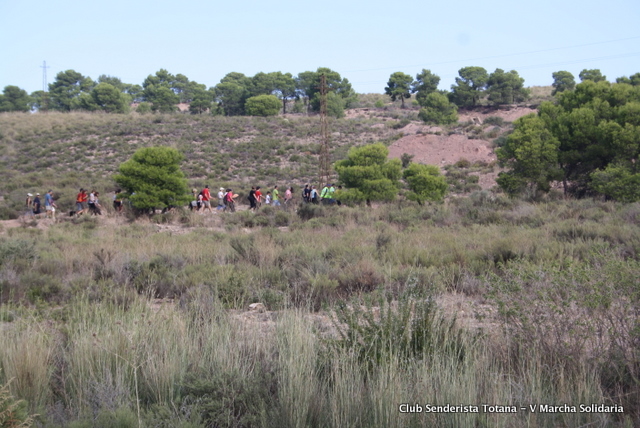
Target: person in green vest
x=325 y=196
x=275 y=196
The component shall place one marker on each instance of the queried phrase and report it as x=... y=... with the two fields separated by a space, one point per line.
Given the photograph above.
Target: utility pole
x=45 y=94
x=324 y=133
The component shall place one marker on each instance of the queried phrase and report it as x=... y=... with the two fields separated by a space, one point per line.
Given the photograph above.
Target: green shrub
x=7 y=213
x=263 y=105
x=363 y=276
x=232 y=399
x=122 y=417
x=494 y=120
x=412 y=330
x=308 y=211
x=14 y=250
x=13 y=413
x=144 y=108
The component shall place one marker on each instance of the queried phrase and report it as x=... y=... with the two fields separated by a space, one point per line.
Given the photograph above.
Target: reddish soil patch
x=427 y=147
x=507 y=113
x=442 y=150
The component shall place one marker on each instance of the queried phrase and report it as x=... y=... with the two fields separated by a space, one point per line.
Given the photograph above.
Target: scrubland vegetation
x=123 y=321
x=82 y=342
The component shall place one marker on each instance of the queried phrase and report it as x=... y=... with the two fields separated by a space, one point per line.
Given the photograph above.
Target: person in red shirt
x=81 y=202
x=230 y=204
x=206 y=199
x=258 y=196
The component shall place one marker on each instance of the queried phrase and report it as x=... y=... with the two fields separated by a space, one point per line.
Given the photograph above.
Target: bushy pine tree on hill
x=589 y=141
x=152 y=179
x=369 y=175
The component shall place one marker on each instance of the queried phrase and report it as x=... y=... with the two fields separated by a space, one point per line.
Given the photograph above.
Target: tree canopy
x=66 y=89
x=399 y=86
x=425 y=182
x=506 y=88
x=589 y=140
x=152 y=178
x=308 y=86
x=594 y=75
x=438 y=110
x=107 y=97
x=469 y=87
x=232 y=93
x=426 y=83
x=531 y=154
x=262 y=105
x=15 y=99
x=368 y=175
x=562 y=81
x=158 y=89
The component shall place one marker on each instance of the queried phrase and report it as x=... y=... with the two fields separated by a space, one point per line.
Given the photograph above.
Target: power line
x=495 y=56
x=531 y=67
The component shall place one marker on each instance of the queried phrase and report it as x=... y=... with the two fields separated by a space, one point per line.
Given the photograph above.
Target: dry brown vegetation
x=122 y=321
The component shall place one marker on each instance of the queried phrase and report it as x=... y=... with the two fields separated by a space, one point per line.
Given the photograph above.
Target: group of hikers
x=85 y=203
x=34 y=205
x=202 y=200
x=89 y=202
x=227 y=199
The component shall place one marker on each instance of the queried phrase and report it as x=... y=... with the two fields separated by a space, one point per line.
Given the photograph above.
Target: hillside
x=129 y=321
x=68 y=151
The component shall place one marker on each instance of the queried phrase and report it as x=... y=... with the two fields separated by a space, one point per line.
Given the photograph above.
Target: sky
x=365 y=41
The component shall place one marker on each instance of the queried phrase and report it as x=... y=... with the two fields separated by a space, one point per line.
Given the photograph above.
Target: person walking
x=97 y=208
x=117 y=200
x=206 y=199
x=258 y=197
x=325 y=196
x=29 y=204
x=252 y=199
x=193 y=205
x=221 y=194
x=314 y=195
x=92 y=202
x=288 y=195
x=230 y=203
x=81 y=202
x=275 y=196
x=306 y=194
x=37 y=205
x=50 y=205
x=332 y=194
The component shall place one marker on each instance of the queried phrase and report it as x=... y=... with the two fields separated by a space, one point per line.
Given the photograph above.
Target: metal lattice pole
x=45 y=86
x=324 y=133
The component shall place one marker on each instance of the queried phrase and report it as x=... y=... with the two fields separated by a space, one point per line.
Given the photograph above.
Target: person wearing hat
x=37 y=205
x=29 y=204
x=221 y=195
x=50 y=205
